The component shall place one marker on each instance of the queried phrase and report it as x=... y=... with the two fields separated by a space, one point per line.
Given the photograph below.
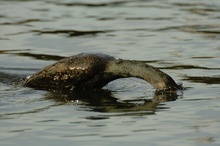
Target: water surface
x=181 y=38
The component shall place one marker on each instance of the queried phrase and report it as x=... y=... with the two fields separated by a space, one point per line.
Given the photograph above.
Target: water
x=181 y=38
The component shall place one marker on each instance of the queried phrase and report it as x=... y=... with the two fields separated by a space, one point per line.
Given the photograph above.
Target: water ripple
x=72 y=4
x=70 y=33
x=203 y=79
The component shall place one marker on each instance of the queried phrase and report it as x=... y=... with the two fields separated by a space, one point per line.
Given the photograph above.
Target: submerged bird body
x=93 y=71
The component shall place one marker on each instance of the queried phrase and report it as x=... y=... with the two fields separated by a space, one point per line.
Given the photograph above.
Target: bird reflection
x=104 y=101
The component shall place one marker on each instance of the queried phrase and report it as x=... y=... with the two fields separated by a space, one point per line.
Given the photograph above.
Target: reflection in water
x=104 y=101
x=21 y=22
x=35 y=56
x=105 y=4
x=10 y=79
x=179 y=67
x=206 y=30
x=206 y=80
x=70 y=33
x=203 y=139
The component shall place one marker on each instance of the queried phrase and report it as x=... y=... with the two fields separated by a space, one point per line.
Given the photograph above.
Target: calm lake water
x=181 y=38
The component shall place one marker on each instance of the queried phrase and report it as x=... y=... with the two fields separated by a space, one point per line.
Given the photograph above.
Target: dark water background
x=180 y=37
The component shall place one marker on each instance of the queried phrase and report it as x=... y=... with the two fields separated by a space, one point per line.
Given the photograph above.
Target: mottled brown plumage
x=93 y=71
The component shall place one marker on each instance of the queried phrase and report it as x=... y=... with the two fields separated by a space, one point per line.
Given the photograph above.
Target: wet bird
x=87 y=71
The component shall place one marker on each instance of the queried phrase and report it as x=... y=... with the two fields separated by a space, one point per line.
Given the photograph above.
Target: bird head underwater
x=87 y=71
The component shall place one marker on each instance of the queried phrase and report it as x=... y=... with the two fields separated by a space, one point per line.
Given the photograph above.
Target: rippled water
x=181 y=38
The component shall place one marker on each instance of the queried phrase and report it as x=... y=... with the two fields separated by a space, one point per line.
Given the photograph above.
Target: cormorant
x=87 y=71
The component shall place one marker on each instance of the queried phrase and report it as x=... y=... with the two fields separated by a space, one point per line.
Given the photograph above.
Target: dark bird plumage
x=93 y=71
